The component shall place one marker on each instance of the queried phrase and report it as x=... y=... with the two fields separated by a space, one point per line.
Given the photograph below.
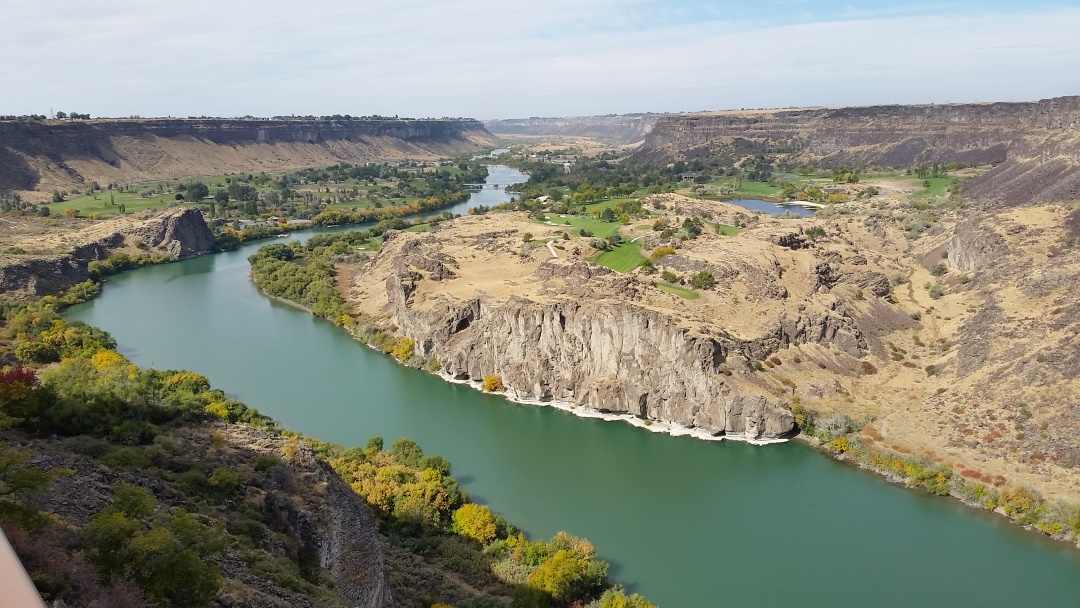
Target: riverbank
x=654 y=426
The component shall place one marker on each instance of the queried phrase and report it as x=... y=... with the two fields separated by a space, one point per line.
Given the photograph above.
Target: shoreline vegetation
x=838 y=436
x=71 y=383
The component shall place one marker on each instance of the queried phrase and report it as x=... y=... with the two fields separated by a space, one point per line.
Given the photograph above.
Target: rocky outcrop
x=181 y=233
x=974 y=246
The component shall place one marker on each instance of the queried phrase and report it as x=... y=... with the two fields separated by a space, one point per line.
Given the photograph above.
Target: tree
x=617 y=598
x=558 y=574
x=61 y=115
x=475 y=522
x=406 y=452
x=703 y=280
x=607 y=215
x=197 y=191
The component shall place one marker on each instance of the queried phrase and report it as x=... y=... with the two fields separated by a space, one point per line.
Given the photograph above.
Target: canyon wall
x=624 y=129
x=53 y=154
x=1035 y=144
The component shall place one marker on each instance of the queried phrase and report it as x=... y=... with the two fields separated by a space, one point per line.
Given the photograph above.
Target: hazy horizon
x=480 y=59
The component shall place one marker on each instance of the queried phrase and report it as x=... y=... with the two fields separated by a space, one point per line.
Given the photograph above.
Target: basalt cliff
x=1035 y=145
x=57 y=154
x=41 y=259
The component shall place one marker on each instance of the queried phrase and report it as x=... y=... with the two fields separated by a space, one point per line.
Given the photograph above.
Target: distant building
x=688 y=177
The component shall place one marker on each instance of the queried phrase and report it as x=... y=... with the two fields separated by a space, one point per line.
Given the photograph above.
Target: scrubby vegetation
x=864 y=445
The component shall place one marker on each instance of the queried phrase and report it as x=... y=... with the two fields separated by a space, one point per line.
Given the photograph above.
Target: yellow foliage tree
x=218 y=409
x=105 y=359
x=403 y=349
x=557 y=575
x=493 y=384
x=475 y=522
x=291 y=447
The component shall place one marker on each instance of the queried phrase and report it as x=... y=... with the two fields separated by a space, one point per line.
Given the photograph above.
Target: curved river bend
x=687 y=523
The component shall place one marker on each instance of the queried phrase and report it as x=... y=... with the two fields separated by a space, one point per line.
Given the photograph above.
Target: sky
x=508 y=59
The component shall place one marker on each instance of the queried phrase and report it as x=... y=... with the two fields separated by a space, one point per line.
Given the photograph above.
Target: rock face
x=1036 y=143
x=612 y=358
x=181 y=233
x=973 y=247
x=53 y=154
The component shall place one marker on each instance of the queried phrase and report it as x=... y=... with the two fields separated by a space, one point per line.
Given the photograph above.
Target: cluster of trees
x=329 y=217
x=24 y=117
x=935 y=169
x=120 y=261
x=471 y=172
x=12 y=201
x=72 y=116
x=310 y=284
x=410 y=491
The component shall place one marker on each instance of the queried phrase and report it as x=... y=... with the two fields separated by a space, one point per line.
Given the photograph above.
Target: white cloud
x=484 y=58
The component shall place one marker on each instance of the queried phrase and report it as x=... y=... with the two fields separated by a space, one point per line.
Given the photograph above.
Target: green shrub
x=703 y=280
x=406 y=452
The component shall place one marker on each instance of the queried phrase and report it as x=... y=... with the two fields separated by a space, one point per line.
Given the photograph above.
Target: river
x=771 y=208
x=687 y=523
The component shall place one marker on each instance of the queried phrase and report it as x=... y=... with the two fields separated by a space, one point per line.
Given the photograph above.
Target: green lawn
x=726 y=230
x=622 y=258
x=598 y=228
x=675 y=290
x=937 y=187
x=594 y=208
x=133 y=203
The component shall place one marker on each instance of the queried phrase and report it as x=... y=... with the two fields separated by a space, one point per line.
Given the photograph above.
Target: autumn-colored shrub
x=493 y=384
x=660 y=252
x=475 y=522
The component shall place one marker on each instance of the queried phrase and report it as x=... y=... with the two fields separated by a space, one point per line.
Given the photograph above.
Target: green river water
x=682 y=521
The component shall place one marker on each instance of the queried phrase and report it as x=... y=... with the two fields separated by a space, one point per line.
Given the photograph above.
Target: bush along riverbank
x=863 y=445
x=133 y=486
